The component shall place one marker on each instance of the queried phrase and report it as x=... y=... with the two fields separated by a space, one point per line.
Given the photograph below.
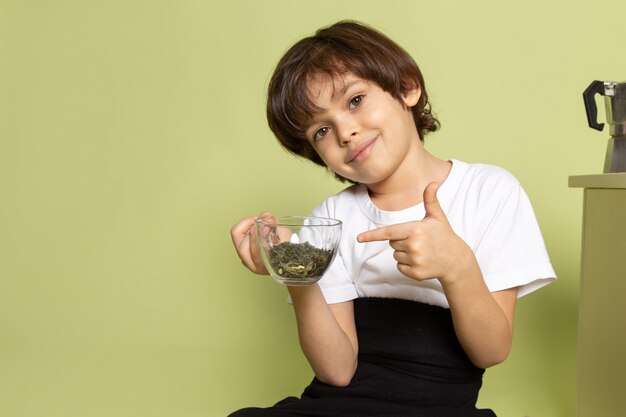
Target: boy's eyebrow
x=312 y=118
x=346 y=87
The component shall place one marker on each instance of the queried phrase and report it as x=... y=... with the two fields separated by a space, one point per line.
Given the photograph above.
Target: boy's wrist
x=466 y=268
x=300 y=292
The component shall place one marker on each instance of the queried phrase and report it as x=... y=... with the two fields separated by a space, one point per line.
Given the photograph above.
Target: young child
x=434 y=253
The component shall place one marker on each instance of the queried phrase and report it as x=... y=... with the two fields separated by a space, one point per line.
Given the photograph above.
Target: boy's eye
x=355 y=101
x=320 y=133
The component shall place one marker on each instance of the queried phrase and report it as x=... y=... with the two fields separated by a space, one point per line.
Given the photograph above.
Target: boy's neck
x=406 y=189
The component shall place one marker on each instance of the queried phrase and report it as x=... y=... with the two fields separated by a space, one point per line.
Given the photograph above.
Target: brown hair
x=346 y=46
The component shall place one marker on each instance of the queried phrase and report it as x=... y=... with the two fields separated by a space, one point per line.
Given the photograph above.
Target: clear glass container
x=297 y=250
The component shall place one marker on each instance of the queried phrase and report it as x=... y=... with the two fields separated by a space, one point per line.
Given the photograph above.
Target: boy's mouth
x=361 y=152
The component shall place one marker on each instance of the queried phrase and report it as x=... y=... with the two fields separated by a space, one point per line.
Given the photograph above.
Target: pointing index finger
x=393 y=232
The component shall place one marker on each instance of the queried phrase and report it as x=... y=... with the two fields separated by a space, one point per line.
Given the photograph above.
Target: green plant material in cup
x=299 y=260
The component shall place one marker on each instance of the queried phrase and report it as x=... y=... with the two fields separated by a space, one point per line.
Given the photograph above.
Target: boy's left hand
x=426 y=248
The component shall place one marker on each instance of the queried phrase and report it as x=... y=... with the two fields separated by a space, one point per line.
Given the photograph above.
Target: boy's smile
x=362 y=132
x=362 y=151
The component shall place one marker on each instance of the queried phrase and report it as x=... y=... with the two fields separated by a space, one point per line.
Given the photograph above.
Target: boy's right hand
x=244 y=239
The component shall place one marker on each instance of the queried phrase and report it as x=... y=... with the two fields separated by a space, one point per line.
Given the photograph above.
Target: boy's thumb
x=431 y=203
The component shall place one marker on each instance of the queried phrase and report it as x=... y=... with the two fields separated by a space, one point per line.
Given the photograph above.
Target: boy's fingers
x=394 y=232
x=401 y=231
x=267 y=216
x=243 y=235
x=431 y=202
x=240 y=230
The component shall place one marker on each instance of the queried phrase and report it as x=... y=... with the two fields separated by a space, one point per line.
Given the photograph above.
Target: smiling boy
x=434 y=253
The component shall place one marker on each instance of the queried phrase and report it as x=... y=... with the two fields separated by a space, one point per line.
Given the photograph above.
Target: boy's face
x=362 y=132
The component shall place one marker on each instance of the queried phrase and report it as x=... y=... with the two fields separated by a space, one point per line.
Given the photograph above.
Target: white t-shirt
x=485 y=205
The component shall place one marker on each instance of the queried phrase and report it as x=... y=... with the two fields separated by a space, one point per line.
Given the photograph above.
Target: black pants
x=410 y=365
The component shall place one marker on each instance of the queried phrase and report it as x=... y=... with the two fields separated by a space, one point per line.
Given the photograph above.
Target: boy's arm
x=483 y=321
x=327 y=334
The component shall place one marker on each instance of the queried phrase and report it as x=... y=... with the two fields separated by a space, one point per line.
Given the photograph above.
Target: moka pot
x=615 y=103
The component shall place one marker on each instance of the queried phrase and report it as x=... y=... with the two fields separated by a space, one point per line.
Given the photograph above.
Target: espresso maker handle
x=596 y=87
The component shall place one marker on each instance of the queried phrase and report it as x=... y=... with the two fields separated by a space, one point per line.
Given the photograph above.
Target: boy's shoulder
x=484 y=175
x=484 y=185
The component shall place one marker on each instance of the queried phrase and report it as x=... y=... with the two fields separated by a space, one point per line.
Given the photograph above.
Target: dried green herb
x=299 y=260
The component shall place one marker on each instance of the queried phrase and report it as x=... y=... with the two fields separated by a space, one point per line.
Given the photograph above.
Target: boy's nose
x=348 y=137
x=348 y=132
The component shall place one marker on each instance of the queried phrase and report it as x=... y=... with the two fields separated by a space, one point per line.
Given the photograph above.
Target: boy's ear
x=412 y=96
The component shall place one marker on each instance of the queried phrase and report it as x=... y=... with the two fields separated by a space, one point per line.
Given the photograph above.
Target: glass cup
x=297 y=250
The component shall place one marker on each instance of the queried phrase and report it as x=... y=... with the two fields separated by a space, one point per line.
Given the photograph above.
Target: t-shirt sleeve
x=510 y=250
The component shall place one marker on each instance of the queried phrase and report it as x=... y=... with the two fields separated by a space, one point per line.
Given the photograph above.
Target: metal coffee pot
x=615 y=102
